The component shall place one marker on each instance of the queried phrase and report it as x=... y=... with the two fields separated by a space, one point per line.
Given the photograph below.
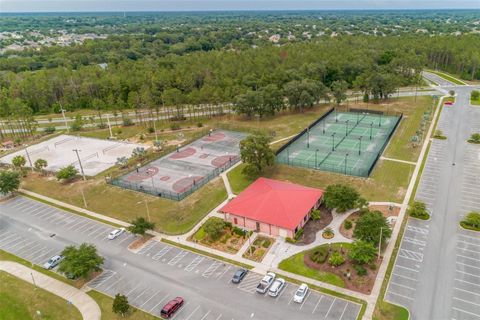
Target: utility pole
x=155 y=129
x=84 y=199
x=28 y=157
x=380 y=243
x=80 y=163
x=64 y=119
x=109 y=126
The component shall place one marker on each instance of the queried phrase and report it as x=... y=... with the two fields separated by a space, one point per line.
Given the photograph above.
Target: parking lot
x=158 y=272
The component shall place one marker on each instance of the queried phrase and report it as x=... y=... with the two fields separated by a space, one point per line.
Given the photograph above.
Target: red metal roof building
x=273 y=207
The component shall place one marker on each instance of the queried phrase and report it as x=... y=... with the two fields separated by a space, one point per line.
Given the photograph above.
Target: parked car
x=276 y=287
x=171 y=307
x=115 y=233
x=52 y=262
x=239 y=275
x=448 y=103
x=301 y=293
x=266 y=282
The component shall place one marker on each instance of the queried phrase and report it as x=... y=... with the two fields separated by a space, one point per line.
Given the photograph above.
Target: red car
x=448 y=103
x=171 y=307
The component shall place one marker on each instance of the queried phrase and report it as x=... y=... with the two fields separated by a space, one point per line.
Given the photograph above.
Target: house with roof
x=273 y=207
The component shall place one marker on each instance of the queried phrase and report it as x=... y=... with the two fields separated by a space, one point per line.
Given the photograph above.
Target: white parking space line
x=223 y=272
x=193 y=312
x=112 y=284
x=178 y=257
x=343 y=312
x=467 y=291
x=195 y=262
x=128 y=236
x=161 y=253
x=139 y=295
x=466 y=301
x=12 y=244
x=467 y=265
x=405 y=277
x=211 y=269
x=466 y=257
x=44 y=256
x=402 y=285
x=146 y=301
x=8 y=238
x=400 y=295
x=411 y=255
x=203 y=318
x=468 y=282
x=181 y=310
x=466 y=312
x=32 y=250
x=316 y=305
x=330 y=308
x=467 y=273
x=150 y=311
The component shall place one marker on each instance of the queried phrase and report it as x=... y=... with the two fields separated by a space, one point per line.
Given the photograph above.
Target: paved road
x=158 y=272
x=437 y=270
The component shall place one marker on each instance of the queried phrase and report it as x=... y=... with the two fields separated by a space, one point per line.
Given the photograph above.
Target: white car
x=52 y=262
x=266 y=282
x=115 y=233
x=301 y=293
x=276 y=287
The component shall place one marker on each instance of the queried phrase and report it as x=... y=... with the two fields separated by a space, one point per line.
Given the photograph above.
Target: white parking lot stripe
x=206 y=315
x=408 y=278
x=470 y=274
x=195 y=262
x=318 y=302
x=469 y=292
x=466 y=312
x=112 y=284
x=402 y=285
x=177 y=258
x=464 y=281
x=400 y=295
x=330 y=308
x=466 y=301
x=193 y=312
x=161 y=253
x=224 y=272
x=154 y=295
x=467 y=265
x=150 y=311
x=343 y=312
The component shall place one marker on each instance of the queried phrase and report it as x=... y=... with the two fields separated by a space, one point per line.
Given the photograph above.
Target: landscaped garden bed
x=318 y=221
x=347 y=227
x=218 y=234
x=259 y=248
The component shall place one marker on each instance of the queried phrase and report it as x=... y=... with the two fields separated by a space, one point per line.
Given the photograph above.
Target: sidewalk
x=83 y=302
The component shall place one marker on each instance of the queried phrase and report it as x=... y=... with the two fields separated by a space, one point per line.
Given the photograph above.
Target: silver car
x=115 y=233
x=52 y=262
x=276 y=287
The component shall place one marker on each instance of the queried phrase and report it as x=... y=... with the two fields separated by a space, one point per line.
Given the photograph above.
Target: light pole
x=333 y=141
x=380 y=120
x=346 y=157
x=380 y=242
x=64 y=119
x=371 y=130
x=308 y=138
x=28 y=157
x=316 y=151
x=80 y=162
x=109 y=126
x=323 y=126
x=360 y=146
x=155 y=129
x=346 y=128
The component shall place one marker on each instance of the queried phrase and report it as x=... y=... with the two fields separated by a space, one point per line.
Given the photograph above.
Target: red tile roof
x=278 y=203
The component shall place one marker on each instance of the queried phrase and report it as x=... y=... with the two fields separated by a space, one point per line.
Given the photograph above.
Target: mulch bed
x=313 y=226
x=355 y=215
x=139 y=242
x=363 y=284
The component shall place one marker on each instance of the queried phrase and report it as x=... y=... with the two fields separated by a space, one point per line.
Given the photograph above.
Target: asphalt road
x=437 y=270
x=158 y=272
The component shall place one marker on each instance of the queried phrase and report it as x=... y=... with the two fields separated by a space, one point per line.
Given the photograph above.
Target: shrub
x=127 y=122
x=471 y=221
x=475 y=95
x=102 y=126
x=336 y=259
x=299 y=234
x=67 y=173
x=9 y=181
x=238 y=231
x=418 y=210
x=49 y=129
x=199 y=124
x=328 y=233
x=362 y=252
x=474 y=138
x=319 y=254
x=150 y=130
x=214 y=227
x=315 y=215
x=140 y=226
x=175 y=126
x=348 y=224
x=290 y=240
x=266 y=243
x=361 y=271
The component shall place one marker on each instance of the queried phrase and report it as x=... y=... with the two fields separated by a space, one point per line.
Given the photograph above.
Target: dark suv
x=171 y=307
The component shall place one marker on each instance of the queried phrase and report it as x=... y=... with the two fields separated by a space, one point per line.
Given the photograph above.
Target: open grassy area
x=105 y=303
x=447 y=77
x=388 y=182
x=22 y=300
x=388 y=311
x=295 y=264
x=172 y=217
x=475 y=102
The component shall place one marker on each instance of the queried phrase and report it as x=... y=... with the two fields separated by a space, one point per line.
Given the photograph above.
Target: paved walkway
x=83 y=302
x=398 y=160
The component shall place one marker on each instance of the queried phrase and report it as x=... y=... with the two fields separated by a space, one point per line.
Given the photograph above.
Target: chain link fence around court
x=347 y=142
x=178 y=174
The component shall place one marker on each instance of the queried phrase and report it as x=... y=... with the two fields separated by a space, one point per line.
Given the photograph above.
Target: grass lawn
x=388 y=182
x=388 y=311
x=172 y=217
x=105 y=303
x=475 y=102
x=295 y=264
x=21 y=300
x=447 y=77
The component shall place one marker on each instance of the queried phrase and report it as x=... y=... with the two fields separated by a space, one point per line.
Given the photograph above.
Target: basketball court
x=181 y=172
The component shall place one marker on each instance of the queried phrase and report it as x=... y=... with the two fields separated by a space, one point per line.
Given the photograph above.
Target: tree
x=80 y=262
x=418 y=209
x=475 y=95
x=140 y=226
x=139 y=152
x=77 y=123
x=336 y=259
x=472 y=221
x=451 y=93
x=122 y=162
x=214 y=227
x=19 y=162
x=340 y=197
x=40 y=164
x=9 y=181
x=362 y=252
x=370 y=225
x=120 y=304
x=339 y=91
x=256 y=154
x=67 y=173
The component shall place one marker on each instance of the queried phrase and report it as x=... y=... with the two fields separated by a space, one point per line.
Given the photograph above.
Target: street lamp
x=316 y=151
x=371 y=130
x=80 y=162
x=360 y=146
x=380 y=120
x=333 y=141
x=64 y=119
x=380 y=242
x=28 y=157
x=346 y=156
x=308 y=138
x=346 y=128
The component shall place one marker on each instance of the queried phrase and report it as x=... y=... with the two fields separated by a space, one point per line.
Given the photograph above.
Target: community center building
x=273 y=207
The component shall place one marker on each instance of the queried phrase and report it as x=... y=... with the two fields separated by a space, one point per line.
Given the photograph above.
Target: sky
x=214 y=5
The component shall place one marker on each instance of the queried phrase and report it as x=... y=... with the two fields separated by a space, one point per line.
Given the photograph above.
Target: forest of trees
x=144 y=72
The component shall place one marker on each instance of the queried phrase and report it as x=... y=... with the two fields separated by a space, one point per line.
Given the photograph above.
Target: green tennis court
x=342 y=142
